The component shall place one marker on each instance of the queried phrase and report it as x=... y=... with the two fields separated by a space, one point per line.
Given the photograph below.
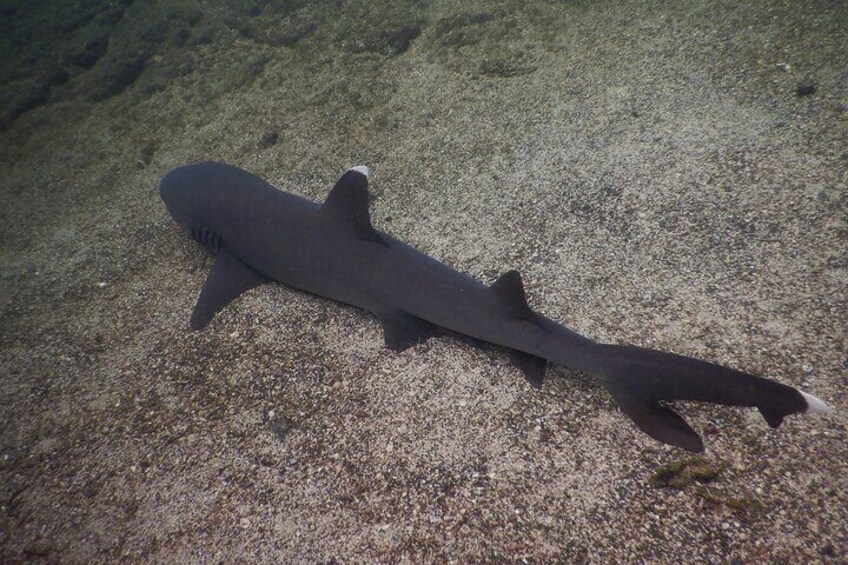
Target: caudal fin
x=639 y=379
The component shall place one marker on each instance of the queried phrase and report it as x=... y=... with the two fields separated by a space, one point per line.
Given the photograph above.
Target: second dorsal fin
x=510 y=290
x=348 y=203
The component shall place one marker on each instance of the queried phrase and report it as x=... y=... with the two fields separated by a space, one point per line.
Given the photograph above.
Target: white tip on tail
x=361 y=169
x=815 y=404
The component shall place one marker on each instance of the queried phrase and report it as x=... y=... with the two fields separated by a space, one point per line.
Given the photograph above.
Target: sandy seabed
x=668 y=174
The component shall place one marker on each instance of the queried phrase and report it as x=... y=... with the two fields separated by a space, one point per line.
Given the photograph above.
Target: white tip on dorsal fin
x=347 y=204
x=815 y=404
x=361 y=169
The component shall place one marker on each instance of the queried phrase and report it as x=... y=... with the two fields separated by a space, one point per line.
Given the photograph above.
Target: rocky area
x=668 y=174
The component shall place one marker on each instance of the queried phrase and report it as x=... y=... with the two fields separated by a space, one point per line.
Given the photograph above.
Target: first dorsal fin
x=510 y=290
x=348 y=202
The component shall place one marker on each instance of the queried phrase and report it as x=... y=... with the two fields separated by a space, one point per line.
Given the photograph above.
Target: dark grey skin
x=261 y=234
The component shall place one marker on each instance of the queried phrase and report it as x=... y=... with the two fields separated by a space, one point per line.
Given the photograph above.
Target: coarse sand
x=668 y=174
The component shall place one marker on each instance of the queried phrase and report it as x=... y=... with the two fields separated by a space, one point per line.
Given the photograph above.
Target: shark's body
x=260 y=233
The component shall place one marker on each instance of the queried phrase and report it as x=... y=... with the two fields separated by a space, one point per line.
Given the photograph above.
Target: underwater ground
x=667 y=174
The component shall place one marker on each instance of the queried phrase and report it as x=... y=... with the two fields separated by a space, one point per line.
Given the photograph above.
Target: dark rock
x=806 y=88
x=389 y=40
x=399 y=42
x=156 y=33
x=57 y=76
x=828 y=550
x=290 y=31
x=113 y=14
x=268 y=140
x=462 y=29
x=146 y=153
x=116 y=74
x=447 y=25
x=204 y=36
x=504 y=67
x=250 y=9
x=180 y=37
x=37 y=95
x=91 y=52
x=281 y=427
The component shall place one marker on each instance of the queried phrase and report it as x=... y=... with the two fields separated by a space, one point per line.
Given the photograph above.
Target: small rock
x=268 y=140
x=281 y=428
x=828 y=550
x=806 y=88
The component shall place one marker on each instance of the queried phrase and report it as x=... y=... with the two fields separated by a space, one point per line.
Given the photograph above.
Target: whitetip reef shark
x=259 y=234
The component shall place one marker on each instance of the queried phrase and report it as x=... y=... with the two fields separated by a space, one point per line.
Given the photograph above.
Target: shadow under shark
x=260 y=233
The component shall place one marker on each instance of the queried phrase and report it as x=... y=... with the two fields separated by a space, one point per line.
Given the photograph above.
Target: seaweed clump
x=685 y=472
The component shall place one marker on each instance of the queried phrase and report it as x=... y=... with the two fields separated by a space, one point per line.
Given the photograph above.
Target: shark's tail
x=639 y=379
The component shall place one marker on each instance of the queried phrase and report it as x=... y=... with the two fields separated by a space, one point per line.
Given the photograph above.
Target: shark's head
x=195 y=197
x=179 y=190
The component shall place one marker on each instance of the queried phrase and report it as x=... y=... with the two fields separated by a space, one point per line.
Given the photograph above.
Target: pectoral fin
x=228 y=279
